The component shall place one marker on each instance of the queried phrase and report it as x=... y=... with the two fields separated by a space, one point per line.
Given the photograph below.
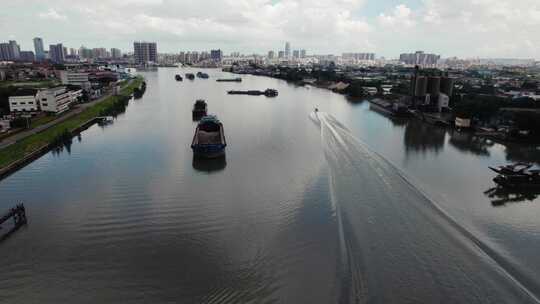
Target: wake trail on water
x=397 y=244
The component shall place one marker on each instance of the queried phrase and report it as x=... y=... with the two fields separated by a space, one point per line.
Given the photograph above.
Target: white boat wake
x=398 y=246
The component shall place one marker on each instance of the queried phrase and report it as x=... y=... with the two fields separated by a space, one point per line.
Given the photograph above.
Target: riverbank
x=24 y=151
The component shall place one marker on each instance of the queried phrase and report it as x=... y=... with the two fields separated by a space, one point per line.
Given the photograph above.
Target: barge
x=267 y=92
x=199 y=109
x=238 y=79
x=202 y=75
x=209 y=139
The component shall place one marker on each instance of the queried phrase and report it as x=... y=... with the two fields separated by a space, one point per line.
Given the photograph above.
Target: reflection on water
x=209 y=165
x=500 y=196
x=523 y=153
x=422 y=137
x=468 y=142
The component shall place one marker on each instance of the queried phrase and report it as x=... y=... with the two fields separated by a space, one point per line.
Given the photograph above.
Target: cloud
x=465 y=28
x=400 y=16
x=52 y=14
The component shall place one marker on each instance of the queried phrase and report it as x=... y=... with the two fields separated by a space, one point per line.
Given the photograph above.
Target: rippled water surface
x=346 y=206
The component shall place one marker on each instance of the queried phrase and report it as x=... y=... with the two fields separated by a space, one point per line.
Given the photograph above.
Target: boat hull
x=517 y=183
x=209 y=151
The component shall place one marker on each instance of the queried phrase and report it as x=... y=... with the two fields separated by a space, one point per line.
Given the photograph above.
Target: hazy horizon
x=466 y=29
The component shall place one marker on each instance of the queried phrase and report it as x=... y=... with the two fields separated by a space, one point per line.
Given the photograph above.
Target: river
x=343 y=206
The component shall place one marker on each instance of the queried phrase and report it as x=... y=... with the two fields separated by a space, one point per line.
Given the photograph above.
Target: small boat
x=199 y=109
x=202 y=75
x=190 y=76
x=517 y=168
x=209 y=139
x=238 y=79
x=529 y=180
x=178 y=77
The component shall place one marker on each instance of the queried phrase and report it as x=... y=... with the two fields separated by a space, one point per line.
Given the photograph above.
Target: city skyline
x=485 y=29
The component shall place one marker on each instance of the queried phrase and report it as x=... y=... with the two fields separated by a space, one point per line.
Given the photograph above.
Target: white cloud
x=504 y=28
x=52 y=14
x=401 y=16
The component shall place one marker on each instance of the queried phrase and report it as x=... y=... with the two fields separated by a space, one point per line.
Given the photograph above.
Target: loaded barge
x=199 y=109
x=209 y=139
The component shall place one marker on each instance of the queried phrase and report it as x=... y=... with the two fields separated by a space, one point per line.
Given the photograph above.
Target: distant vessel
x=190 y=76
x=267 y=92
x=199 y=109
x=202 y=75
x=209 y=139
x=238 y=79
x=178 y=77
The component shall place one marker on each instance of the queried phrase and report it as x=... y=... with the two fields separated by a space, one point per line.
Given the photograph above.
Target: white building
x=23 y=101
x=56 y=100
x=74 y=78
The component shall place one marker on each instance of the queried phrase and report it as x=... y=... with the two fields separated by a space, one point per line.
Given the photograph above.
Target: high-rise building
x=15 y=50
x=100 y=53
x=5 y=53
x=27 y=56
x=216 y=55
x=38 y=48
x=281 y=54
x=72 y=52
x=145 y=52
x=271 y=54
x=85 y=53
x=359 y=56
x=419 y=58
x=116 y=53
x=296 y=54
x=287 y=50
x=56 y=52
x=302 y=53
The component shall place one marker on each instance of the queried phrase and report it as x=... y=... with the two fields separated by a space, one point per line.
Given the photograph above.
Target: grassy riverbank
x=34 y=142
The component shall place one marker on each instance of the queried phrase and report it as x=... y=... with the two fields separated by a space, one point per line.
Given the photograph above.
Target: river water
x=343 y=206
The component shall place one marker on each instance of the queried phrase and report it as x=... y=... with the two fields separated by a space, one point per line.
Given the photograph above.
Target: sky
x=462 y=28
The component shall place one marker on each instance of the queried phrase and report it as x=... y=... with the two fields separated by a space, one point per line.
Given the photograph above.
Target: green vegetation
x=53 y=134
x=30 y=84
x=41 y=120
